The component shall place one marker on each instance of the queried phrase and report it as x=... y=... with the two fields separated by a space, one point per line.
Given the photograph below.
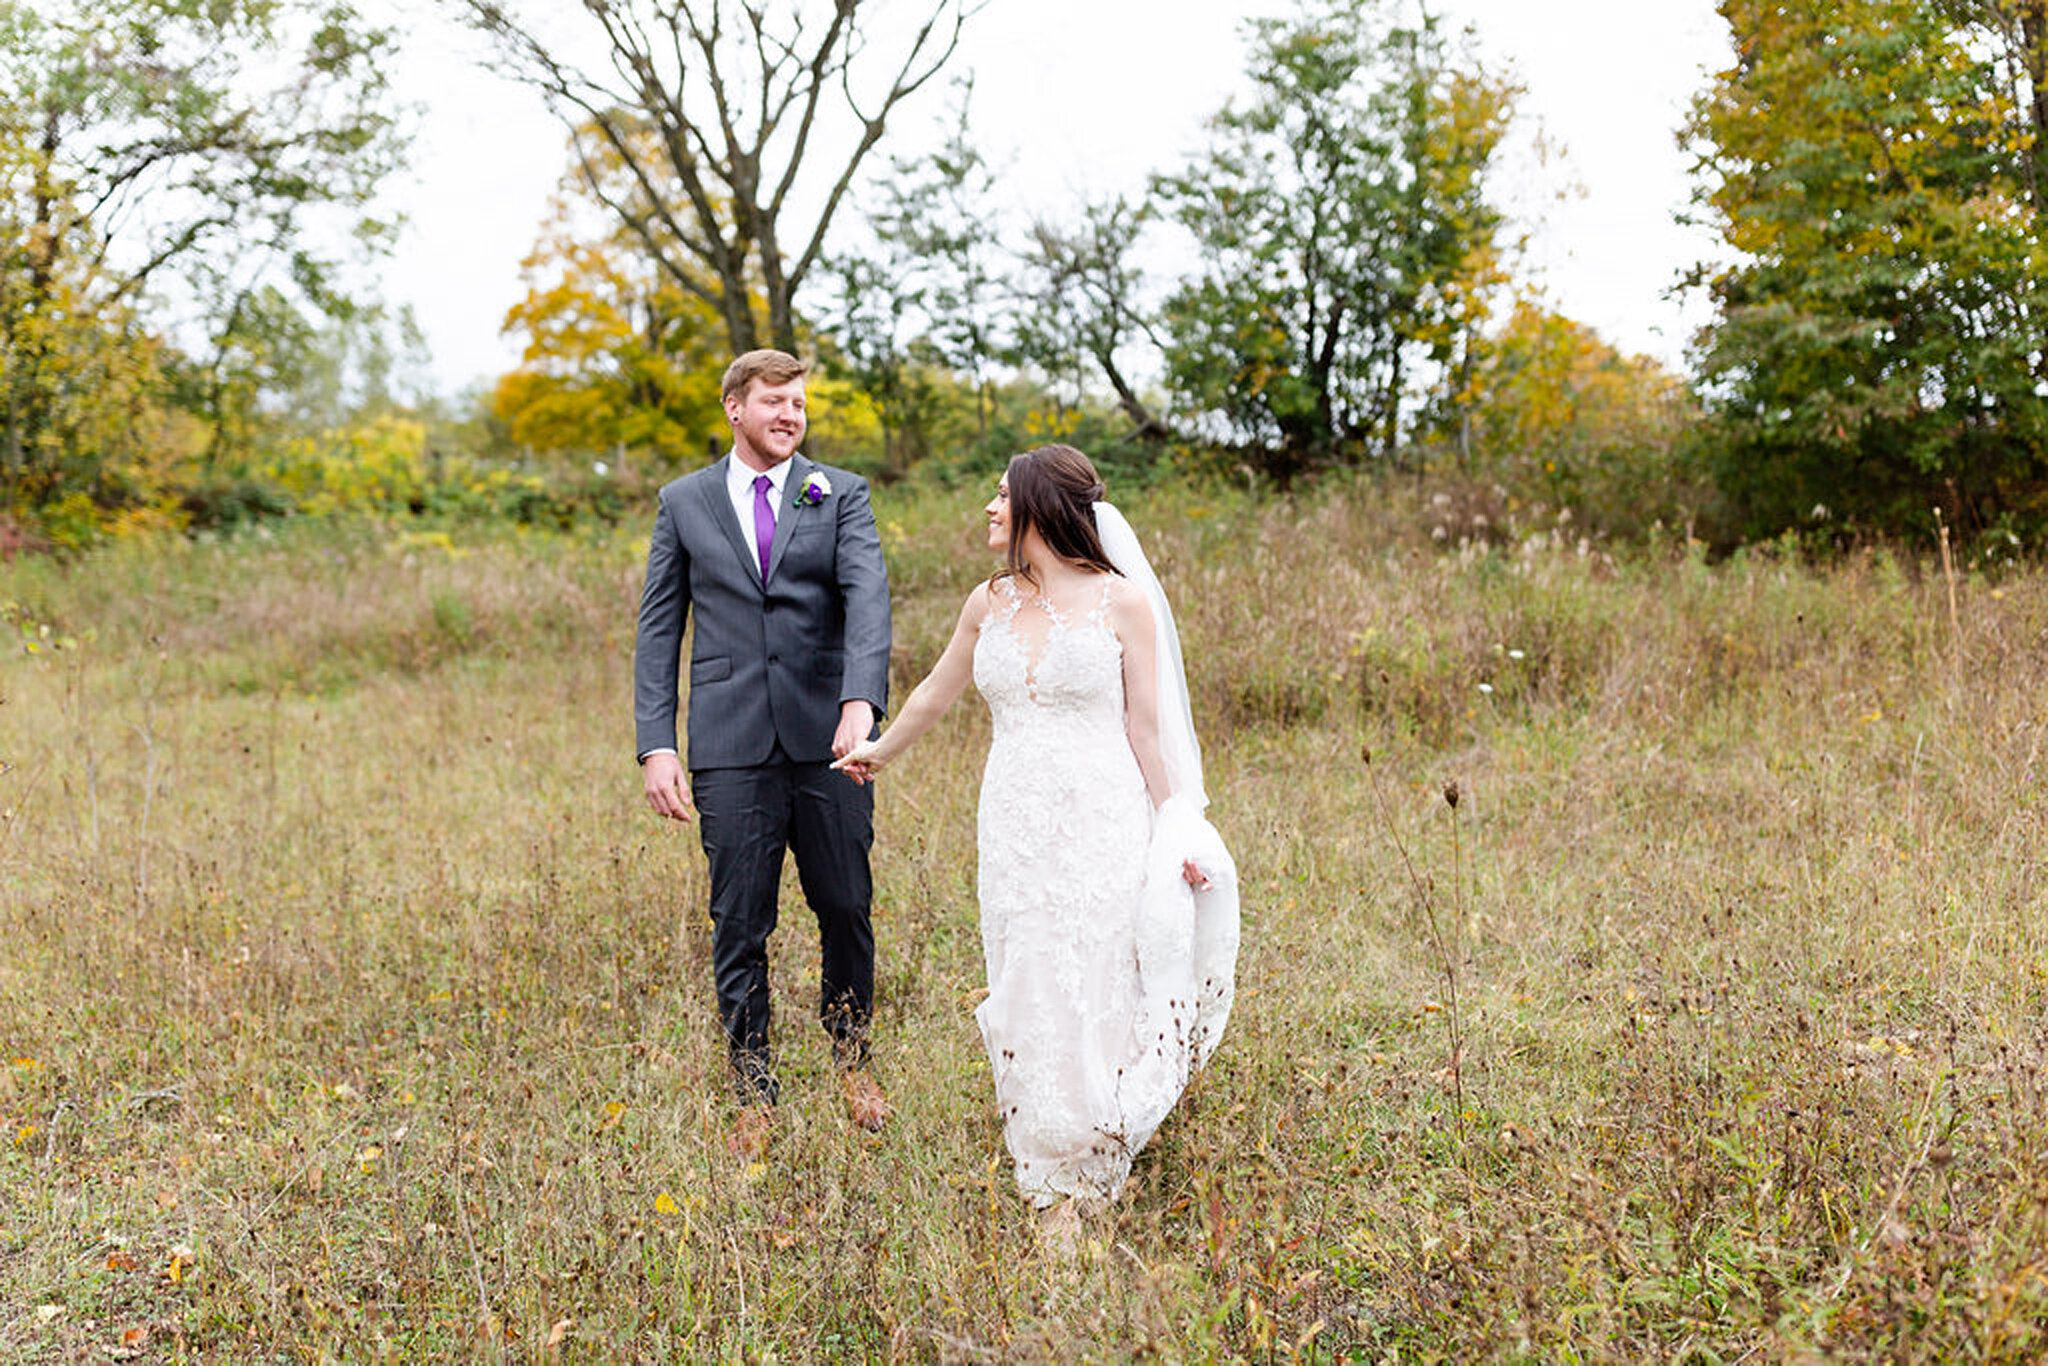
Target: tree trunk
x=216 y=387
x=1145 y=424
x=1324 y=368
x=27 y=406
x=739 y=319
x=1391 y=440
x=2034 y=54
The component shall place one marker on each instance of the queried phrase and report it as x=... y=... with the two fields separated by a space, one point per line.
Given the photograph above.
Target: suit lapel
x=792 y=485
x=718 y=506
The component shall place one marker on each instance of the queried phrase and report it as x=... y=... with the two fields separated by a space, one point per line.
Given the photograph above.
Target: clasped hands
x=861 y=762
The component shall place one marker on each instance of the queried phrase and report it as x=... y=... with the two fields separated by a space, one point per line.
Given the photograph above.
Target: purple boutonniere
x=815 y=490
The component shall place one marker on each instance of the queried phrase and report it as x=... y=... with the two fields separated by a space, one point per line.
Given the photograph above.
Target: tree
x=1555 y=414
x=740 y=104
x=617 y=356
x=1080 y=309
x=897 y=369
x=1347 y=244
x=2018 y=34
x=920 y=313
x=82 y=387
x=936 y=224
x=164 y=159
x=1878 y=349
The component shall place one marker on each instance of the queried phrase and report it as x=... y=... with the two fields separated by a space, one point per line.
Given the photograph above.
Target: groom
x=788 y=670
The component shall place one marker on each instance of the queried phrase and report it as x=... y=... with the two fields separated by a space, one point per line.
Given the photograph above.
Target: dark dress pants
x=747 y=817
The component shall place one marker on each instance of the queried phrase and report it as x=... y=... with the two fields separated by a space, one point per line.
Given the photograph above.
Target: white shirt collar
x=740 y=476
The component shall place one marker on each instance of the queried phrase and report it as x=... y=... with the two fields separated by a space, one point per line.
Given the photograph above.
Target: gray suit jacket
x=768 y=663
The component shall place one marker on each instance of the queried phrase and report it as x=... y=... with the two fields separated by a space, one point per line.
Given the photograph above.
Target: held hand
x=856 y=719
x=1196 y=878
x=860 y=763
x=666 y=793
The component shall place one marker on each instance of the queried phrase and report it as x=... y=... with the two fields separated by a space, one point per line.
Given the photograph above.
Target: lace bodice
x=1074 y=678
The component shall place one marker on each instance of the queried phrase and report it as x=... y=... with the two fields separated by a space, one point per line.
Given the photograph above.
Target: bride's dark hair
x=1054 y=490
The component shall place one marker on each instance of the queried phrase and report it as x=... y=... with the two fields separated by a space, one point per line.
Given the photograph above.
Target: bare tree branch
x=732 y=164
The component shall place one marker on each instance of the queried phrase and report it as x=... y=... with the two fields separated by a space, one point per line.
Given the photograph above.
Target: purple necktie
x=764 y=522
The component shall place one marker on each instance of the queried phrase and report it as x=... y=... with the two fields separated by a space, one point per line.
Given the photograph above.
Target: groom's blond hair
x=770 y=367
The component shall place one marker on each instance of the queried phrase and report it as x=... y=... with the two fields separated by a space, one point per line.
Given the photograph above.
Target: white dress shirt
x=739 y=487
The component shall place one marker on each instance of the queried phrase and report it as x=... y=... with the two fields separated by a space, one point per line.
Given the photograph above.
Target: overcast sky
x=1078 y=97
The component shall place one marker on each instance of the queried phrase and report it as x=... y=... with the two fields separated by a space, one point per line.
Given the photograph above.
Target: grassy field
x=352 y=1005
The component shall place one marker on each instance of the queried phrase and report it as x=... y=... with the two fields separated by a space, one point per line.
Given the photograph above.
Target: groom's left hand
x=856 y=720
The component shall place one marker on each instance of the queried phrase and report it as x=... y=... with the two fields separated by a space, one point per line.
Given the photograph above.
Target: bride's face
x=998 y=511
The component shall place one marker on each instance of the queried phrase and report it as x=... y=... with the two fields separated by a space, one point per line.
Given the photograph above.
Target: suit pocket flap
x=710 y=670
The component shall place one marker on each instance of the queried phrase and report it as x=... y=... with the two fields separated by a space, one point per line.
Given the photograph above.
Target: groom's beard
x=770 y=443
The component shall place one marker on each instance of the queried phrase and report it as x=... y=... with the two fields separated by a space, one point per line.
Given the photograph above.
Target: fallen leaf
x=558 y=1332
x=120 y=1261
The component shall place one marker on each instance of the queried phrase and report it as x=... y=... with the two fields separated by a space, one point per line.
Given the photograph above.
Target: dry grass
x=351 y=1004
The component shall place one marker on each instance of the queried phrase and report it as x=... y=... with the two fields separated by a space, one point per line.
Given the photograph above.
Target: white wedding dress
x=1106 y=989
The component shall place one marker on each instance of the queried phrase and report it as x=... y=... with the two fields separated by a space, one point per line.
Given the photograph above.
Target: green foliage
x=1879 y=346
x=1347 y=245
x=917 y=321
x=161 y=160
x=1557 y=416
x=390 y=468
x=380 y=465
x=1079 y=307
x=87 y=436
x=900 y=375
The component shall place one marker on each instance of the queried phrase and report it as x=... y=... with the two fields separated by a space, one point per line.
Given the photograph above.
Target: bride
x=1108 y=904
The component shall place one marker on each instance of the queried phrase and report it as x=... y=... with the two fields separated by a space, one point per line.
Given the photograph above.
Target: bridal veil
x=1187 y=937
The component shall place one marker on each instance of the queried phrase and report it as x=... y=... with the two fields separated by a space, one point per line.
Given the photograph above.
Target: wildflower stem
x=1447 y=964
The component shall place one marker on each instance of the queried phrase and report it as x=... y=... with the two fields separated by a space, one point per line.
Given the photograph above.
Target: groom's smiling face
x=767 y=421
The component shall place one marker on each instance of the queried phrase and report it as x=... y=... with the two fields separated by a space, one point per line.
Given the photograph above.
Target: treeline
x=1348 y=298
x=1328 y=284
